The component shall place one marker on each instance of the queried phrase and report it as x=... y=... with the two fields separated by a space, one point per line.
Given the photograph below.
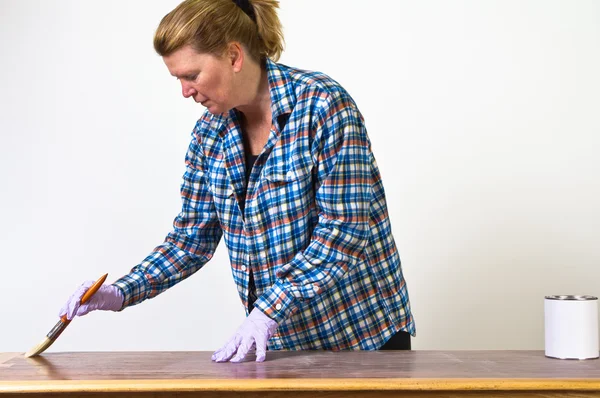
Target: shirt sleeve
x=188 y=247
x=342 y=196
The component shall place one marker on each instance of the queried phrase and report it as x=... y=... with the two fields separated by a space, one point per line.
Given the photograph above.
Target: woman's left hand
x=256 y=330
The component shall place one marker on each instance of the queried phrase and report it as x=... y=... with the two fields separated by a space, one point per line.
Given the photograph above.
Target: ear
x=236 y=55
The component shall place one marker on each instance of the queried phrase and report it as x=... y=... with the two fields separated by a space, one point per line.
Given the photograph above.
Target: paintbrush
x=63 y=322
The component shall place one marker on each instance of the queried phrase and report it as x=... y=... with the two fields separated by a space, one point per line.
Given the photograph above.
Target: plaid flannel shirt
x=315 y=230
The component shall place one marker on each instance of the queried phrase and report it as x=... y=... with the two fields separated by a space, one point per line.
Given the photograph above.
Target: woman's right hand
x=107 y=298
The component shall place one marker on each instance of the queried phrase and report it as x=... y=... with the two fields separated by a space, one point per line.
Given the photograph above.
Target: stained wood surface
x=138 y=372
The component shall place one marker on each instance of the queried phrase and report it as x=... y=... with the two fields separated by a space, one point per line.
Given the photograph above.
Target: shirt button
x=278 y=307
x=244 y=268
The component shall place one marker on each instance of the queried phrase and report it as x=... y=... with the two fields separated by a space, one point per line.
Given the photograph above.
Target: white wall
x=484 y=118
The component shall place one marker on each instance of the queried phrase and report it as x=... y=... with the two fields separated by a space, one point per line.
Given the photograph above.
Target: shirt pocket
x=278 y=177
x=225 y=204
x=284 y=172
x=288 y=198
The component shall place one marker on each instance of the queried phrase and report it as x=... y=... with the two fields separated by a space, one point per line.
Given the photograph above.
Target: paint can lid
x=573 y=298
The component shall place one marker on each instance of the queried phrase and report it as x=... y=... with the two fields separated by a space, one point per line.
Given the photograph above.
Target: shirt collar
x=281 y=89
x=283 y=97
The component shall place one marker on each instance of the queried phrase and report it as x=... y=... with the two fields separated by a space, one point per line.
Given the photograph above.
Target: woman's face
x=208 y=79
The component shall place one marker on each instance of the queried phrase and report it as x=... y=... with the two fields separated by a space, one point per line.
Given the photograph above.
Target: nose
x=187 y=90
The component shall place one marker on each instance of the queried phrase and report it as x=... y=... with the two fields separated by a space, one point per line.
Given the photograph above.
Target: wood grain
x=7 y=356
x=304 y=373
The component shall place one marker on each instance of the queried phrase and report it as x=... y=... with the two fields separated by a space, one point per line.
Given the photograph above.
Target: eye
x=189 y=78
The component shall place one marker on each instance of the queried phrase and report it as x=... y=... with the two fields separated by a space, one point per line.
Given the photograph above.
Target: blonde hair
x=209 y=25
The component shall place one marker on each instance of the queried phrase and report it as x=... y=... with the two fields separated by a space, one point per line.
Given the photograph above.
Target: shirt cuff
x=135 y=288
x=277 y=302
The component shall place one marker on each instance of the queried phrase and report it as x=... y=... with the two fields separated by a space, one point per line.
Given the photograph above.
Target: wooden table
x=303 y=374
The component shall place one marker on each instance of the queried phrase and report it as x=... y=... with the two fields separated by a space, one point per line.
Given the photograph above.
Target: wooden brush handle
x=90 y=292
x=93 y=289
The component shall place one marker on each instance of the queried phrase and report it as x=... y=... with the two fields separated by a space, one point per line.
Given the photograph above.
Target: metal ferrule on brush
x=58 y=328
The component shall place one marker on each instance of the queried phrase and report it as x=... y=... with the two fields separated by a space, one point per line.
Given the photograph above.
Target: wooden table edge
x=254 y=385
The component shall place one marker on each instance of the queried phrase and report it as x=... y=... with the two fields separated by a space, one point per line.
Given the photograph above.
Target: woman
x=281 y=166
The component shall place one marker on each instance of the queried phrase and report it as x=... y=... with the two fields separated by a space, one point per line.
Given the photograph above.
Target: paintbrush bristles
x=64 y=322
x=38 y=349
x=50 y=338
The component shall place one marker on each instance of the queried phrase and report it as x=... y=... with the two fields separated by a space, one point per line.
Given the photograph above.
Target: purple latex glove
x=256 y=330
x=108 y=298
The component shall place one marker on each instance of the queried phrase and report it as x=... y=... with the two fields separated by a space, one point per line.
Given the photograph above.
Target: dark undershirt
x=250 y=159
